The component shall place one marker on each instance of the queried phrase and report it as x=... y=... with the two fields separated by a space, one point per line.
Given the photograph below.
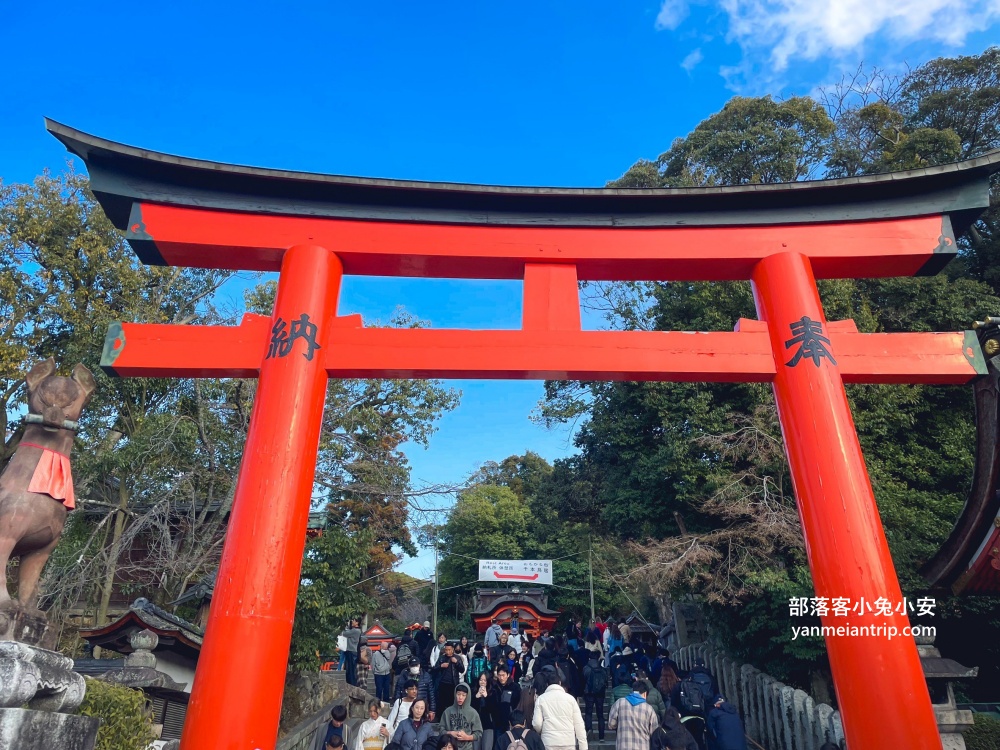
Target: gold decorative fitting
x=991 y=347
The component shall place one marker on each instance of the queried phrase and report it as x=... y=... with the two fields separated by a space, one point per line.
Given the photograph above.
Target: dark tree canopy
x=692 y=476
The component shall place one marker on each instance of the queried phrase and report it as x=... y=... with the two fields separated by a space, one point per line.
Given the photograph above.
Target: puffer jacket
x=413 y=738
x=558 y=720
x=726 y=728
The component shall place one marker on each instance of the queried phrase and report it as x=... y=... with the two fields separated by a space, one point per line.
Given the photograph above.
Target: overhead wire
x=615 y=580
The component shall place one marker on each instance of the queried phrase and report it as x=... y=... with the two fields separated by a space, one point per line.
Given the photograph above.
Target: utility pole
x=590 y=556
x=434 y=619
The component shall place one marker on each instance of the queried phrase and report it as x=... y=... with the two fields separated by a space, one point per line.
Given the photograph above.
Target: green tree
x=327 y=596
x=692 y=474
x=65 y=275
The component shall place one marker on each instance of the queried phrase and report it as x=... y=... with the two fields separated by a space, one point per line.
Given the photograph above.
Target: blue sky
x=542 y=93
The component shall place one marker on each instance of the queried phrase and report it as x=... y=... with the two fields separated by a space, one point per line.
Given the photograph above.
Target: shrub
x=984 y=735
x=126 y=724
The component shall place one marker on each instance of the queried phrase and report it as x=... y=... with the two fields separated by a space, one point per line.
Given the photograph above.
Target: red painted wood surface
x=152 y=350
x=847 y=550
x=238 y=687
x=226 y=239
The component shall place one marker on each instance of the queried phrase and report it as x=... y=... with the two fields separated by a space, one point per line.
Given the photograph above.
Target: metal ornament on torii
x=316 y=228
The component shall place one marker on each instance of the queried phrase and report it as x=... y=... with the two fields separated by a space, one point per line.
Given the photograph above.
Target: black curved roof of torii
x=121 y=175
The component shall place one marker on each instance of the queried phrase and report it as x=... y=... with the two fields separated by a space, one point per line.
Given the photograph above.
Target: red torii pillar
x=202 y=214
x=250 y=623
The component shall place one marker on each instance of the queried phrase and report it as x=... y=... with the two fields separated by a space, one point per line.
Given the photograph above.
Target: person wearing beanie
x=424 y=640
x=461 y=721
x=725 y=727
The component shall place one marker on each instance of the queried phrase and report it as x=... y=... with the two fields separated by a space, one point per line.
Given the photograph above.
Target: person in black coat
x=546 y=657
x=725 y=728
x=424 y=641
x=504 y=700
x=518 y=730
x=450 y=670
x=671 y=734
x=483 y=693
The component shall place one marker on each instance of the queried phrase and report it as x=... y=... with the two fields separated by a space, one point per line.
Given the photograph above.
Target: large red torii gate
x=315 y=228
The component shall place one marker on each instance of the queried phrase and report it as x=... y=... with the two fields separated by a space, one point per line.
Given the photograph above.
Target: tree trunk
x=109 y=577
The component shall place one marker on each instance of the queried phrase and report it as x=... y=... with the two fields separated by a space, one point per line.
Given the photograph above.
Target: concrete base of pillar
x=25 y=729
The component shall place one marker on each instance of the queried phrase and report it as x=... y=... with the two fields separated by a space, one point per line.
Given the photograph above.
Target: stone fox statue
x=36 y=488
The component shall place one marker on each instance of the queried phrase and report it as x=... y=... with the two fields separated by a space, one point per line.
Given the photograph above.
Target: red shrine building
x=528 y=607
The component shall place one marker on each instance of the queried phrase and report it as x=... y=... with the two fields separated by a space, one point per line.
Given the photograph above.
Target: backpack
x=597 y=680
x=477 y=666
x=704 y=681
x=519 y=743
x=403 y=654
x=692 y=699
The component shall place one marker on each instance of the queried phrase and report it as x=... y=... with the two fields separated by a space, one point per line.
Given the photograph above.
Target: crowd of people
x=516 y=692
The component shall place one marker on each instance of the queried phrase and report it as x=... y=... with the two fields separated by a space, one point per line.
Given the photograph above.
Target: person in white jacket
x=558 y=720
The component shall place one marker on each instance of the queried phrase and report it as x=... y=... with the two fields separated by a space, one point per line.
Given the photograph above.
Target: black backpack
x=402 y=658
x=704 y=680
x=597 y=680
x=692 y=698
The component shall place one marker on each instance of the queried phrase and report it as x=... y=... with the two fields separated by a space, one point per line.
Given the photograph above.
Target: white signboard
x=516 y=571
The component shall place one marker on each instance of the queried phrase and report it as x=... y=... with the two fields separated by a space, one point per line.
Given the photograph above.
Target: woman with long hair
x=482 y=698
x=413 y=732
x=668 y=679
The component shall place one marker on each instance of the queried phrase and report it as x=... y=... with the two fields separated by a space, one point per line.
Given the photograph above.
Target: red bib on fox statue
x=53 y=477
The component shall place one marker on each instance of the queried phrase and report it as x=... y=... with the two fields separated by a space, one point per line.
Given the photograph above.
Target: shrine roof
x=175 y=633
x=518 y=600
x=121 y=175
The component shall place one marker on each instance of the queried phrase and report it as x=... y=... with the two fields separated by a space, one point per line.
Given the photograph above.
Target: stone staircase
x=609 y=735
x=592 y=739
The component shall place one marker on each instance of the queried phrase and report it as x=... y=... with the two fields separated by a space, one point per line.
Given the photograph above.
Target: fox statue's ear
x=85 y=379
x=39 y=372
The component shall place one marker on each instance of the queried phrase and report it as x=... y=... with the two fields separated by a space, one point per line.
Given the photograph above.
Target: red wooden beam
x=153 y=350
x=205 y=238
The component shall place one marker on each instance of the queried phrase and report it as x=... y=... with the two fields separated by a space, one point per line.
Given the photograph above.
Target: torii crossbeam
x=316 y=228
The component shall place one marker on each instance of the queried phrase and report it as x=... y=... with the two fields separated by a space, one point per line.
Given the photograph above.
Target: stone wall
x=777 y=716
x=311 y=695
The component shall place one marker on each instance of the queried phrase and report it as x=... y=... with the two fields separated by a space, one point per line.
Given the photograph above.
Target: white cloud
x=774 y=33
x=672 y=12
x=693 y=58
x=810 y=29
